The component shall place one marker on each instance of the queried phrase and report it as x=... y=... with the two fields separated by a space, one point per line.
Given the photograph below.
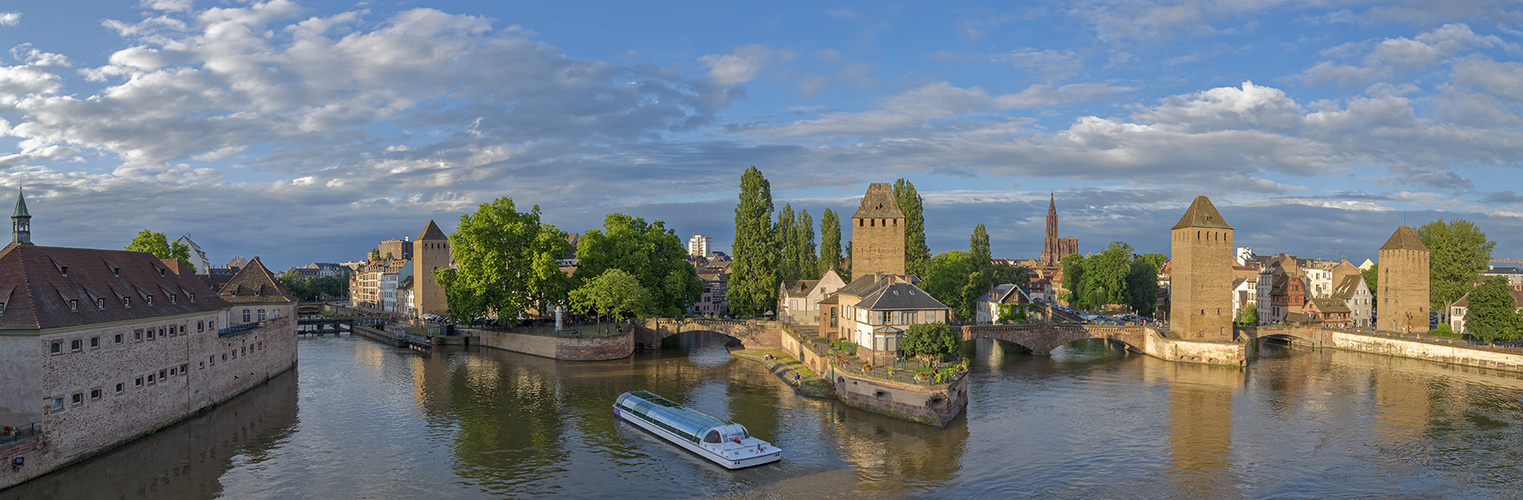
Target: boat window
x=712 y=437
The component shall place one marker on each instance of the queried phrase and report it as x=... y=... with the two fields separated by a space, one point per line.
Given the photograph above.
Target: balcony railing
x=237 y=329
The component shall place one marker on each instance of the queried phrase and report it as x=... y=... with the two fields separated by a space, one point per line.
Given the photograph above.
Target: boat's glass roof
x=684 y=418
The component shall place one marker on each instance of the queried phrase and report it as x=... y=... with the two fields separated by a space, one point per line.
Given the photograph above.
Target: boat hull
x=772 y=454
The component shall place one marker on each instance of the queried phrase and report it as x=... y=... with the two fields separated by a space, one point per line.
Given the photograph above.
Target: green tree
x=375 y=254
x=946 y=279
x=1371 y=277
x=754 y=268
x=916 y=253
x=160 y=246
x=978 y=248
x=1073 y=279
x=1249 y=316
x=299 y=285
x=612 y=293
x=651 y=253
x=1142 y=286
x=495 y=250
x=1457 y=254
x=929 y=341
x=1105 y=274
x=830 y=244
x=1157 y=260
x=803 y=247
x=787 y=266
x=1492 y=314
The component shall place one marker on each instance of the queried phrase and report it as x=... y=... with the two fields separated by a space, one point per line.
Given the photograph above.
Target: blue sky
x=310 y=131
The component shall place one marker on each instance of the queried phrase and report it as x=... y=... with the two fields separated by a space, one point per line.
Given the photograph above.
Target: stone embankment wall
x=928 y=404
x=753 y=334
x=1309 y=336
x=932 y=405
x=570 y=349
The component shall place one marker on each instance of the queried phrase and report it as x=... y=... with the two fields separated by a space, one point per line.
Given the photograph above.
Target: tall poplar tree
x=753 y=270
x=830 y=244
x=916 y=254
x=978 y=248
x=803 y=241
x=787 y=268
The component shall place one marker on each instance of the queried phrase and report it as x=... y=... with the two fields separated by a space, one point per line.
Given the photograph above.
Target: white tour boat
x=726 y=443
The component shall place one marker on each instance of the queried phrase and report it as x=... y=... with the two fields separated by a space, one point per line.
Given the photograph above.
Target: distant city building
x=988 y=307
x=877 y=233
x=322 y=270
x=1513 y=274
x=698 y=246
x=1355 y=294
x=197 y=256
x=105 y=346
x=1054 y=249
x=395 y=249
x=712 y=302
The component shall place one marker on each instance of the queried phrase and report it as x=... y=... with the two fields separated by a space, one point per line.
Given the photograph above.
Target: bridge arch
x=752 y=334
x=1042 y=339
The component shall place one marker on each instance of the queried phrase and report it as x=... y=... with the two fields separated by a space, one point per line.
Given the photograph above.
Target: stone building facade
x=431 y=252
x=1201 y=274
x=1054 y=249
x=103 y=346
x=1403 y=283
x=877 y=233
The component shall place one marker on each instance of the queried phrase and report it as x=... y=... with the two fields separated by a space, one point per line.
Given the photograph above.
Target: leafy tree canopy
x=917 y=254
x=651 y=253
x=929 y=340
x=1492 y=314
x=1457 y=254
x=754 y=270
x=495 y=251
x=612 y=293
x=160 y=246
x=830 y=245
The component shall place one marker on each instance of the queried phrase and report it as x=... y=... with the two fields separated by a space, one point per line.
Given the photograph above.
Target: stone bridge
x=1041 y=339
x=752 y=333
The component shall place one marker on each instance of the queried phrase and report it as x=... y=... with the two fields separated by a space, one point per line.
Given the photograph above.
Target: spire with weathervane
x=21 y=221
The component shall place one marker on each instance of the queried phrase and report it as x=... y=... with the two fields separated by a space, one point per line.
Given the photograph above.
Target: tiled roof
x=900 y=296
x=254 y=283
x=798 y=288
x=1404 y=239
x=879 y=203
x=1330 y=306
x=1346 y=289
x=36 y=287
x=432 y=232
x=1202 y=214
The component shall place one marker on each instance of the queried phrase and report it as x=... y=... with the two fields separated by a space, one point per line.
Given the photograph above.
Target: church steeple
x=1052 y=216
x=21 y=221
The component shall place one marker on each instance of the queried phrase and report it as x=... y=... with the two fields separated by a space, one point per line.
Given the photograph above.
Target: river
x=358 y=419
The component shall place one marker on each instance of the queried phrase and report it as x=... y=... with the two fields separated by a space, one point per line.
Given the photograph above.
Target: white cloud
x=1397 y=58
x=10 y=18
x=743 y=64
x=169 y=5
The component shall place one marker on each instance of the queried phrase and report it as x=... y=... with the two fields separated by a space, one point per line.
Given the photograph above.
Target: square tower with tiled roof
x=1403 y=283
x=1201 y=281
x=877 y=233
x=430 y=252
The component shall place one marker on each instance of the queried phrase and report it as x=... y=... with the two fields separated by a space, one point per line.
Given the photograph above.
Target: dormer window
x=192 y=297
x=172 y=298
x=150 y=299
x=100 y=303
x=161 y=271
x=116 y=271
x=73 y=305
x=2 y=309
x=127 y=302
x=64 y=270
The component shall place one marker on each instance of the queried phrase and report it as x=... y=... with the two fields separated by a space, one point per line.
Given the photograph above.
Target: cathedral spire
x=21 y=221
x=1052 y=216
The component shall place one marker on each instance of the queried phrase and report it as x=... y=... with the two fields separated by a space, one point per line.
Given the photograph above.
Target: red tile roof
x=37 y=284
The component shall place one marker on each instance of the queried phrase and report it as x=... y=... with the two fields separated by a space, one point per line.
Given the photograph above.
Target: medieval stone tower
x=877 y=233
x=1403 y=283
x=1201 y=281
x=429 y=252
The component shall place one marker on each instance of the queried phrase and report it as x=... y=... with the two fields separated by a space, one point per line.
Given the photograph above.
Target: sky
x=309 y=131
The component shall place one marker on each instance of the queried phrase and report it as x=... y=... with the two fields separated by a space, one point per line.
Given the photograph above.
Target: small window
x=171 y=330
x=118 y=338
x=161 y=273
x=77 y=398
x=183 y=367
x=57 y=404
x=224 y=356
x=74 y=345
x=211 y=360
x=172 y=298
x=139 y=382
x=127 y=302
x=73 y=305
x=57 y=347
x=201 y=365
x=245 y=315
x=94 y=394
x=116 y=271
x=172 y=370
x=192 y=296
x=150 y=379
x=200 y=326
x=95 y=342
x=161 y=332
x=261 y=315
x=211 y=325
x=161 y=374
x=150 y=299
x=64 y=270
x=137 y=335
x=100 y=303
x=120 y=387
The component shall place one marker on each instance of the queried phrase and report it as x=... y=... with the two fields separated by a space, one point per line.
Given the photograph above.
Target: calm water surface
x=362 y=420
